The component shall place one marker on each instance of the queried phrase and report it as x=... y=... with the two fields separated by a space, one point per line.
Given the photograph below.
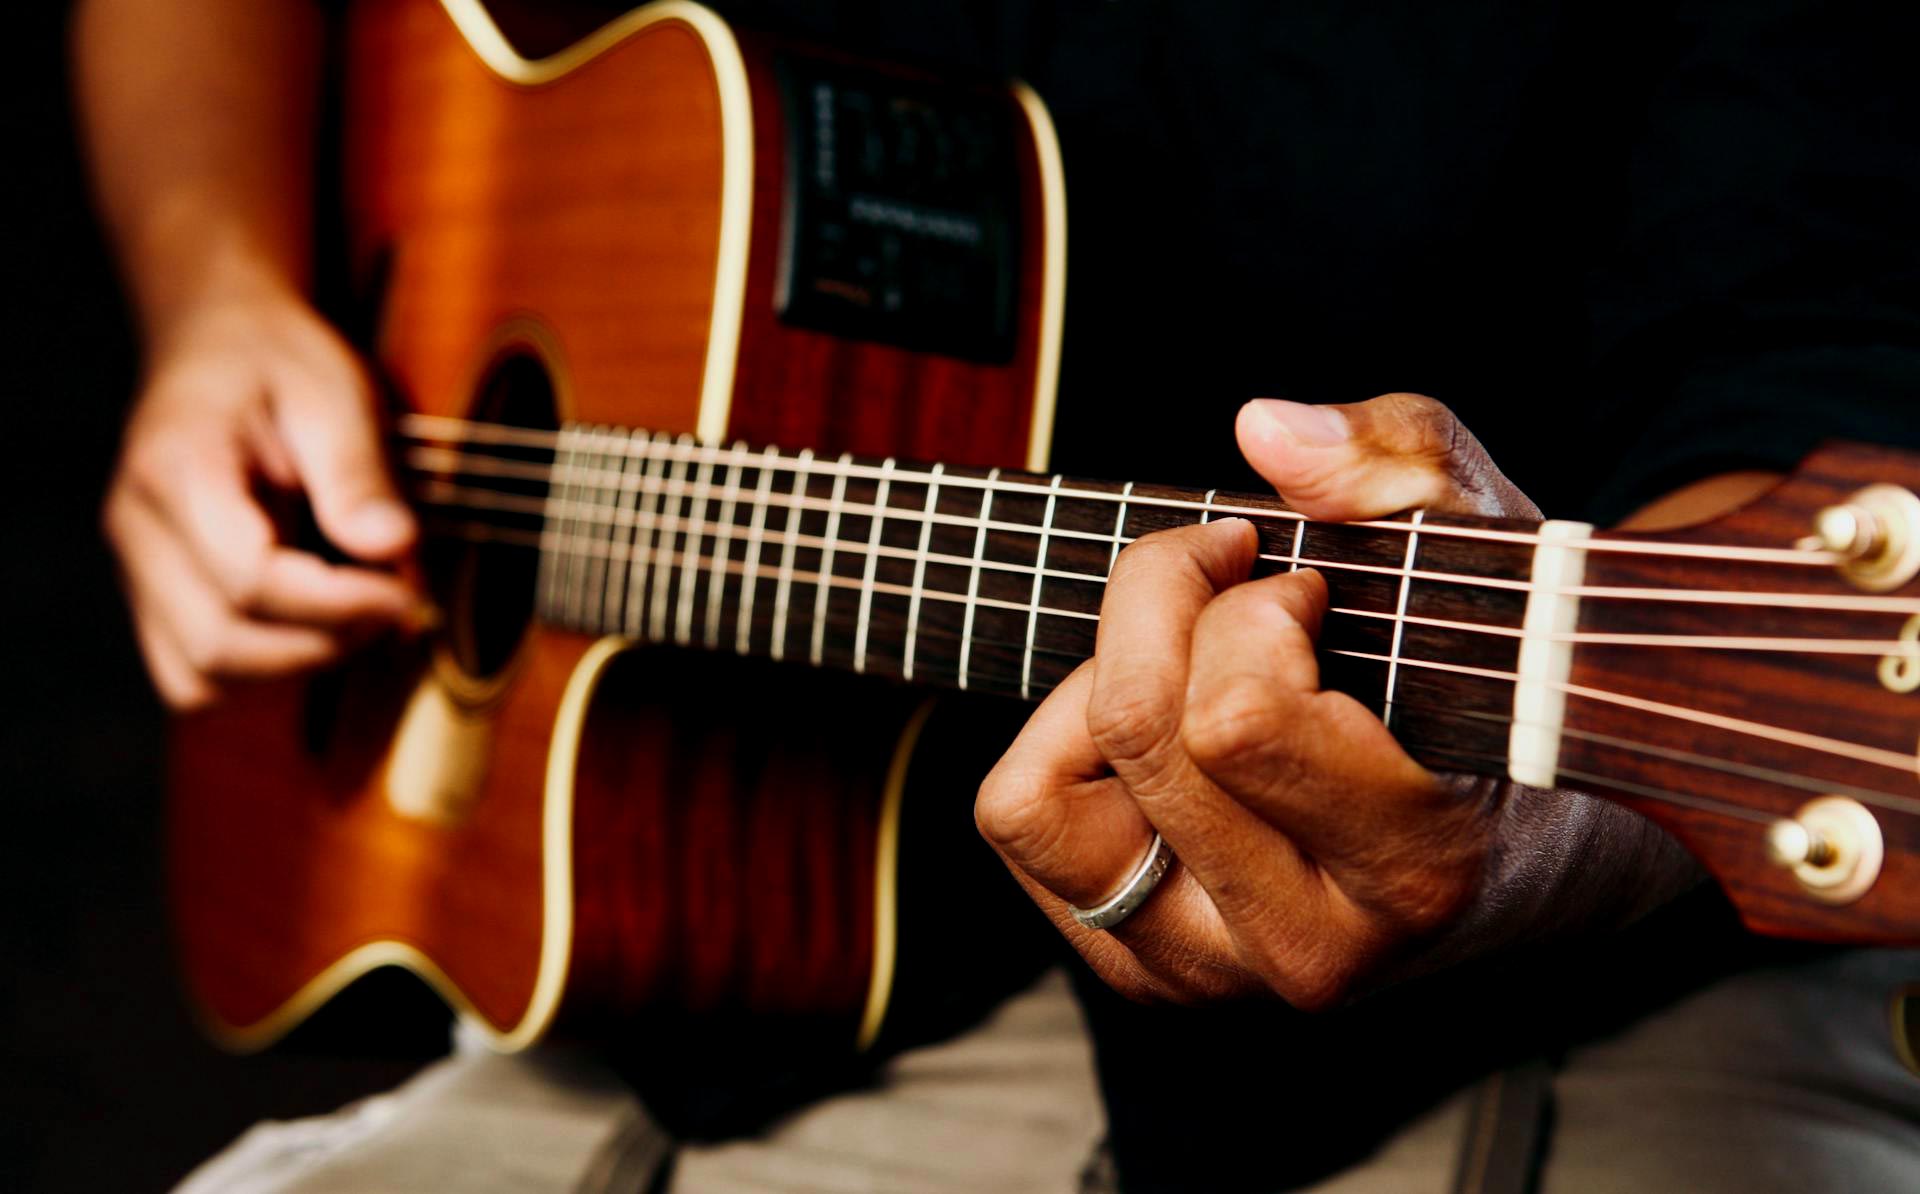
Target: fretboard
x=987 y=580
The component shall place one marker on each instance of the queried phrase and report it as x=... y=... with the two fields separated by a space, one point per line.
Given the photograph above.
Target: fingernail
x=1314 y=426
x=383 y=522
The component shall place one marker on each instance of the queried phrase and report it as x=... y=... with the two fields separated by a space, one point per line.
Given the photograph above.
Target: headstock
x=1753 y=685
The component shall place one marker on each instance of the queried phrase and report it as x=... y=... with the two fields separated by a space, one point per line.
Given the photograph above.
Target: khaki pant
x=1777 y=1080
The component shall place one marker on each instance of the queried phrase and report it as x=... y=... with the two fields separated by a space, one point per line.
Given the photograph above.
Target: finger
x=180 y=687
x=1374 y=458
x=1270 y=901
x=1071 y=834
x=1259 y=637
x=1052 y=808
x=1256 y=722
x=174 y=598
x=1173 y=950
x=328 y=424
x=1318 y=766
x=1157 y=589
x=231 y=537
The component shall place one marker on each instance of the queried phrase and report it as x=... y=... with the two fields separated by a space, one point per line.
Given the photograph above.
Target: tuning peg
x=1875 y=534
x=1849 y=531
x=1833 y=847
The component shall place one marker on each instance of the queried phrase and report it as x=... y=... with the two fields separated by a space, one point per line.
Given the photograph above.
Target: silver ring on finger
x=1133 y=893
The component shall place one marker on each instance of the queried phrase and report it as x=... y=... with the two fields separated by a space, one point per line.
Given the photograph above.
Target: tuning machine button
x=1876 y=534
x=1833 y=847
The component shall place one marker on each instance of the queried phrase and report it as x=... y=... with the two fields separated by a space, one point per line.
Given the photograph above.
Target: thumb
x=1375 y=458
x=333 y=437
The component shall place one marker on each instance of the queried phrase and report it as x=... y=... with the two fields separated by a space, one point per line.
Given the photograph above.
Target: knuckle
x=1208 y=984
x=245 y=582
x=148 y=465
x=1316 y=982
x=1136 y=987
x=209 y=650
x=1131 y=724
x=186 y=696
x=1224 y=728
x=1421 y=902
x=1135 y=981
x=1014 y=812
x=114 y=512
x=1145 y=554
x=1427 y=426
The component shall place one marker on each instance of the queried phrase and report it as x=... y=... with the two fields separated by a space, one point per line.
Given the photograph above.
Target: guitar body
x=545 y=825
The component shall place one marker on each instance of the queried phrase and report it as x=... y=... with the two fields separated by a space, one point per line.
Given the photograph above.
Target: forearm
x=198 y=117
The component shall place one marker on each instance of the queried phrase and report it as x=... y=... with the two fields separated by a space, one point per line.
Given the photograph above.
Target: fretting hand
x=241 y=395
x=1315 y=858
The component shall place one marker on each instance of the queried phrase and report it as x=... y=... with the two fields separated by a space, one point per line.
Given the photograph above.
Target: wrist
x=204 y=270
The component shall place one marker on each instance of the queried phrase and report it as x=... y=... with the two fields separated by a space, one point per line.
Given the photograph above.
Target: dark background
x=105 y=1083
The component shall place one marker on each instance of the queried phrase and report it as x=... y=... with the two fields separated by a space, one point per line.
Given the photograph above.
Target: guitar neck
x=985 y=580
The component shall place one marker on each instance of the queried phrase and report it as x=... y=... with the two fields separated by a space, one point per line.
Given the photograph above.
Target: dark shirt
x=1630 y=243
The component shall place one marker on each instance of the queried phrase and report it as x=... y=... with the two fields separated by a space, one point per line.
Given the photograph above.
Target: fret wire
x=583 y=588
x=1299 y=536
x=1033 y=602
x=584 y=499
x=1794 y=556
x=506 y=502
x=750 y=584
x=1860 y=603
x=867 y=575
x=573 y=563
x=683 y=618
x=723 y=548
x=682 y=556
x=619 y=563
x=1891 y=759
x=920 y=572
x=784 y=587
x=593 y=571
x=575 y=593
x=644 y=551
x=1400 y=621
x=531 y=539
x=836 y=505
x=973 y=578
x=594 y=611
x=551 y=560
x=1120 y=527
x=670 y=531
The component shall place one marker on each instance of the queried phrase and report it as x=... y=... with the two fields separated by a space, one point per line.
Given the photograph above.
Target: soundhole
x=484 y=572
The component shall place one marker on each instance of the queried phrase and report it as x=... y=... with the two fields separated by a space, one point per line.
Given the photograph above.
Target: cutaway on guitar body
x=548 y=826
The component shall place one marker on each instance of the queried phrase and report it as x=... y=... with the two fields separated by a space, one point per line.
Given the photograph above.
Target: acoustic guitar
x=606 y=282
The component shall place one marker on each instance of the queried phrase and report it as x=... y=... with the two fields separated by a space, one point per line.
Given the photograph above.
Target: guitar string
x=1887 y=801
x=1647 y=791
x=1841 y=603
x=443 y=494
x=1859 y=752
x=738 y=455
x=1891 y=801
